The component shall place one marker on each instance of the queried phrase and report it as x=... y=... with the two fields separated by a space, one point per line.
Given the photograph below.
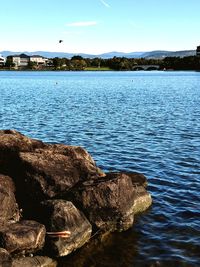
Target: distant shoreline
x=110 y=70
x=78 y=63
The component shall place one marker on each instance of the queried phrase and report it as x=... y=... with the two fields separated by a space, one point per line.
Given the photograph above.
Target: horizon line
x=88 y=53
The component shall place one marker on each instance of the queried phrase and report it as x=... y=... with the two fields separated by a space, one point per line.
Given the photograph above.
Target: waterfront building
x=39 y=60
x=23 y=60
x=2 y=60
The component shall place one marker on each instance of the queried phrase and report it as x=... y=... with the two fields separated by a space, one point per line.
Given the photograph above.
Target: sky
x=99 y=26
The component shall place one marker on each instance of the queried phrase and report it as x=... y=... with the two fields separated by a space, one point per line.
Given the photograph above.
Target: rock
x=83 y=160
x=5 y=258
x=142 y=199
x=13 y=141
x=49 y=177
x=44 y=171
x=108 y=201
x=137 y=178
x=8 y=209
x=48 y=174
x=37 y=261
x=24 y=236
x=61 y=215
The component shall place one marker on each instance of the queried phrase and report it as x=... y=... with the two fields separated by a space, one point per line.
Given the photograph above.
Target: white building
x=39 y=60
x=2 y=61
x=23 y=60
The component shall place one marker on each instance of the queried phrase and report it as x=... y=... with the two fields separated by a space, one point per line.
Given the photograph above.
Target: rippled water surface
x=135 y=121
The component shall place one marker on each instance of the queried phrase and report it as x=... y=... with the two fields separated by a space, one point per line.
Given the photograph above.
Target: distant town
x=78 y=62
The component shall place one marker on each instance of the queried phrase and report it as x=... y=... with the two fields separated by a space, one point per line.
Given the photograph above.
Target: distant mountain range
x=158 y=54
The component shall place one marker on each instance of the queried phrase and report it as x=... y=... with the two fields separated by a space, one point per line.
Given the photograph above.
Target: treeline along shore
x=78 y=63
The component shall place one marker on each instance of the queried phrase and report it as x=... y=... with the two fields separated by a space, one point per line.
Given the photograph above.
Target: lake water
x=147 y=122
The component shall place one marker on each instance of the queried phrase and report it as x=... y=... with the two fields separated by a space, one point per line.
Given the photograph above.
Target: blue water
x=147 y=122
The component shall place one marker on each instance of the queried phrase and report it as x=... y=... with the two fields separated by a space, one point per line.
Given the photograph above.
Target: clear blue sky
x=96 y=26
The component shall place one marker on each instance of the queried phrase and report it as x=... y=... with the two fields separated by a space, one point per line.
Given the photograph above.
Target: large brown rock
x=142 y=198
x=22 y=237
x=8 y=208
x=82 y=159
x=61 y=215
x=52 y=172
x=44 y=171
x=47 y=175
x=108 y=201
x=111 y=202
x=13 y=141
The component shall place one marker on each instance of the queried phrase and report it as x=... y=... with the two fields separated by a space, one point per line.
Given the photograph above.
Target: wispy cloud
x=104 y=3
x=82 y=24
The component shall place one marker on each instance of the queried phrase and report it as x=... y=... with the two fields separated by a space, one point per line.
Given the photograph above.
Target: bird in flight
x=60 y=41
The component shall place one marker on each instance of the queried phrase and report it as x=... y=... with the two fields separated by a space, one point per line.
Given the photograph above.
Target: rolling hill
x=158 y=54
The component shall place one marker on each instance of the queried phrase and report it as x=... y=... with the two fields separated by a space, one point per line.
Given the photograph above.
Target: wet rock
x=37 y=261
x=61 y=215
x=108 y=201
x=142 y=199
x=8 y=209
x=5 y=258
x=22 y=237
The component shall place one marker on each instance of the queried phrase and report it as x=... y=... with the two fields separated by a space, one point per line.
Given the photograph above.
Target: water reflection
x=116 y=249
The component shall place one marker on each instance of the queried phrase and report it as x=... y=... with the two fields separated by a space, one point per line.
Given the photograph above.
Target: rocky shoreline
x=54 y=199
